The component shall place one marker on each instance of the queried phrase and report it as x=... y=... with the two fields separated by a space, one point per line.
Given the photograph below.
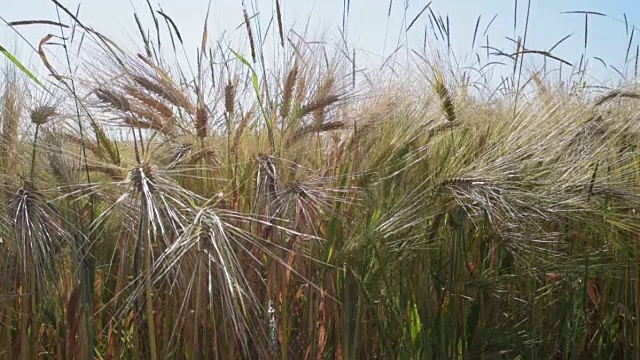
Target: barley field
x=291 y=206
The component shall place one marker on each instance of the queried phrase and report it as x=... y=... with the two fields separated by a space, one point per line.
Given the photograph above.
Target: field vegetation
x=296 y=207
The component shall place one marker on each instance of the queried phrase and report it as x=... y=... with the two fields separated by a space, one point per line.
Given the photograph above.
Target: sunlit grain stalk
x=11 y=111
x=86 y=266
x=232 y=156
x=142 y=179
x=491 y=218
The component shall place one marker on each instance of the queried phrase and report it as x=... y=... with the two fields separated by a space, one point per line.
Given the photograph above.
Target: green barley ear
x=324 y=95
x=444 y=95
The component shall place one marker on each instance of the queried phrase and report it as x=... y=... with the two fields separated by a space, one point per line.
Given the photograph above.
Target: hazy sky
x=370 y=30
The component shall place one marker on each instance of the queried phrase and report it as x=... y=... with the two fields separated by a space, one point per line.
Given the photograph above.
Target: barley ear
x=288 y=92
x=444 y=94
x=201 y=121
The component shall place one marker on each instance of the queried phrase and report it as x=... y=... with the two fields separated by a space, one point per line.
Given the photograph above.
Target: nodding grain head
x=316 y=128
x=149 y=101
x=317 y=108
x=113 y=99
x=145 y=123
x=165 y=88
x=156 y=121
x=615 y=95
x=324 y=97
x=142 y=178
x=40 y=115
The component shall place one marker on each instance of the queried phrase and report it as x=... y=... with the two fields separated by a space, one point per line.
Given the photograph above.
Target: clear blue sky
x=369 y=29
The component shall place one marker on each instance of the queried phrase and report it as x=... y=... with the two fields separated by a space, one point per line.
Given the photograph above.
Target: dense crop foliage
x=255 y=209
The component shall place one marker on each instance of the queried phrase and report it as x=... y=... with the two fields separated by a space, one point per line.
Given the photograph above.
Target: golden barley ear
x=317 y=108
x=324 y=95
x=287 y=94
x=155 y=120
x=202 y=121
x=229 y=97
x=149 y=101
x=313 y=128
x=113 y=99
x=164 y=87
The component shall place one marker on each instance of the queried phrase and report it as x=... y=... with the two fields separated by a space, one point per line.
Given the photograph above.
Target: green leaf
x=17 y=63
x=472 y=321
x=243 y=60
x=256 y=84
x=256 y=88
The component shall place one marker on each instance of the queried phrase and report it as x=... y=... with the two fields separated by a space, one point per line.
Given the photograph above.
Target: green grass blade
x=22 y=68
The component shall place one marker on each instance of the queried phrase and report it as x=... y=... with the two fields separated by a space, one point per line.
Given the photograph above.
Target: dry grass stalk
x=242 y=126
x=617 y=94
x=11 y=111
x=89 y=145
x=279 y=17
x=113 y=172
